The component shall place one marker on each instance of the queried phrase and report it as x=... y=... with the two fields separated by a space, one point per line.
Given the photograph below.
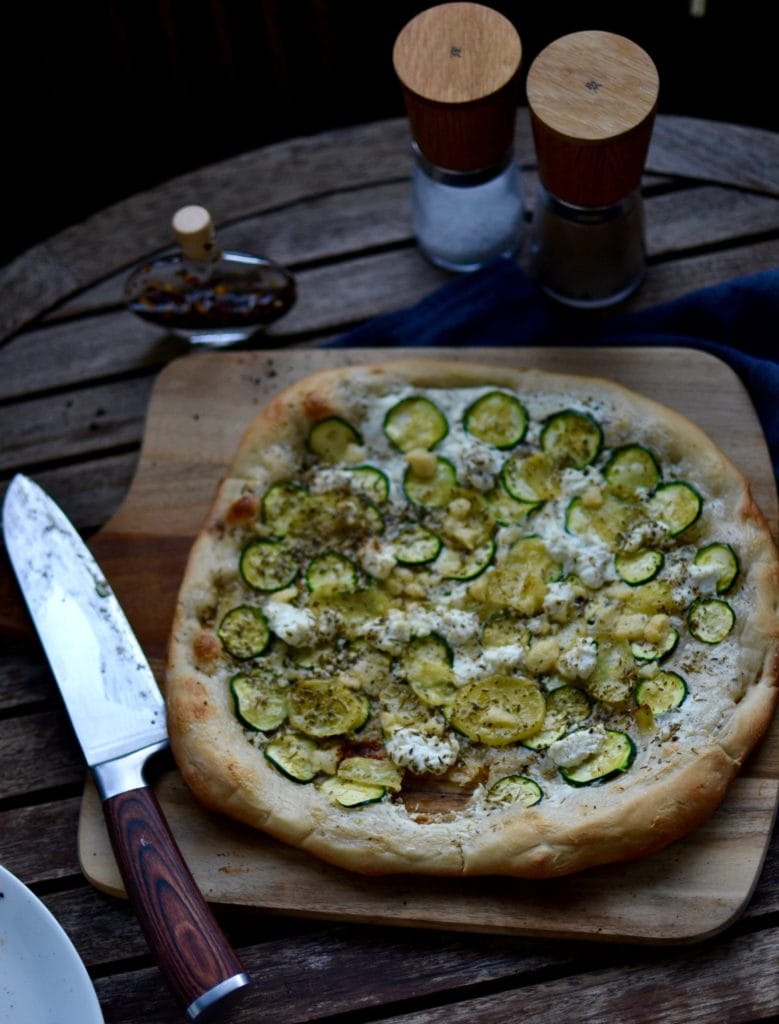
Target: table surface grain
x=76 y=374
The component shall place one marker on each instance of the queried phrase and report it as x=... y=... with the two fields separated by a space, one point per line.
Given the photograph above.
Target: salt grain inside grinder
x=592 y=99
x=458 y=65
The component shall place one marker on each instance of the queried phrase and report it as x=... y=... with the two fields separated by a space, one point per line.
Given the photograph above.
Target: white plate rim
x=67 y=996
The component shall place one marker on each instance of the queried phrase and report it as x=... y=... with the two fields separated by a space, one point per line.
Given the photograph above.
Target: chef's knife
x=118 y=715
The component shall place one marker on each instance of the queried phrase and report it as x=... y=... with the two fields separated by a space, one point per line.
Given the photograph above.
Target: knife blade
x=118 y=715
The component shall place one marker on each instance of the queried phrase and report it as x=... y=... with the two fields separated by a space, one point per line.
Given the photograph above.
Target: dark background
x=104 y=98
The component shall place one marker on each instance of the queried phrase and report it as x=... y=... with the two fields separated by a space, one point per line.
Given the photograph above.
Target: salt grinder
x=458 y=65
x=592 y=99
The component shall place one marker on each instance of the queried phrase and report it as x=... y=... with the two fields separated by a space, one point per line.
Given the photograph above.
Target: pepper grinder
x=592 y=98
x=211 y=296
x=458 y=66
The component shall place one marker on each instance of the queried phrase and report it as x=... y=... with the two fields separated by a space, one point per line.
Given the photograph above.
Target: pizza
x=452 y=619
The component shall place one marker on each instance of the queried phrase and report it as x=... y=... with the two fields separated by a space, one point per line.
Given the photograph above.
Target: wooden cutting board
x=199 y=409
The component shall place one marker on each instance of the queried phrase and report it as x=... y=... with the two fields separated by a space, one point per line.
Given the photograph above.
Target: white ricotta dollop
x=330 y=479
x=588 y=557
x=420 y=753
x=558 y=599
x=390 y=633
x=574 y=482
x=458 y=627
x=704 y=578
x=578 y=661
x=645 y=535
x=571 y=750
x=376 y=559
x=295 y=626
x=503 y=657
x=476 y=464
x=593 y=566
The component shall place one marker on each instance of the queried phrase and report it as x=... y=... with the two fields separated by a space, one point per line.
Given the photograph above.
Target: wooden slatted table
x=78 y=373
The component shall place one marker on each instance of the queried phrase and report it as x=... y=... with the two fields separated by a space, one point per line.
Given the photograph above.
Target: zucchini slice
x=415 y=422
x=497 y=419
x=459 y=564
x=519 y=581
x=723 y=559
x=426 y=663
x=632 y=469
x=283 y=505
x=578 y=519
x=367 y=516
x=431 y=492
x=416 y=545
x=530 y=478
x=515 y=789
x=351 y=794
x=534 y=558
x=260 y=703
x=325 y=707
x=332 y=570
x=615 y=756
x=612 y=681
x=663 y=692
x=643 y=650
x=268 y=565
x=294 y=756
x=499 y=710
x=566 y=707
x=639 y=566
x=322 y=659
x=244 y=632
x=675 y=506
x=572 y=438
x=370 y=482
x=611 y=521
x=710 y=619
x=507 y=510
x=371 y=771
x=369 y=665
x=328 y=439
x=503 y=629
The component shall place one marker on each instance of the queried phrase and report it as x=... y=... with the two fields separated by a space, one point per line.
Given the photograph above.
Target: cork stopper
x=592 y=99
x=194 y=232
x=458 y=65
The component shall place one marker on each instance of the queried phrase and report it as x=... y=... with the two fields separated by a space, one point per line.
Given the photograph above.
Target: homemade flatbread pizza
x=453 y=619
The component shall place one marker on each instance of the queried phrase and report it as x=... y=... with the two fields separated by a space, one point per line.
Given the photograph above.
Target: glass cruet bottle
x=592 y=98
x=458 y=66
x=212 y=297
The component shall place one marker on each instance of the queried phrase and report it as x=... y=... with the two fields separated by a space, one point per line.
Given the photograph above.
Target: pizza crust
x=631 y=816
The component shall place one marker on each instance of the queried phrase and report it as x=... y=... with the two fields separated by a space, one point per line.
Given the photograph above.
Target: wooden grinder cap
x=458 y=65
x=592 y=99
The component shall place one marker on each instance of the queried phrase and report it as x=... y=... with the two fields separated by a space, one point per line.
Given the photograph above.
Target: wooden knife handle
x=190 y=947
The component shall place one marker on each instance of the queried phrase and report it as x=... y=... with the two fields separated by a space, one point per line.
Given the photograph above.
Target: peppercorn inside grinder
x=458 y=66
x=592 y=98
x=210 y=296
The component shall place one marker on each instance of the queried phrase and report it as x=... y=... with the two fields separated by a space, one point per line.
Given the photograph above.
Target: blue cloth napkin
x=499 y=305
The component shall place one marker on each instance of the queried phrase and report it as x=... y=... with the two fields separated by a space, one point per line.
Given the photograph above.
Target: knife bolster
x=127 y=772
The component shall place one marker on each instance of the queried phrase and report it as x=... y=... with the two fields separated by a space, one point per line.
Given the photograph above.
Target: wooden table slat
x=39 y=751
x=105 y=416
x=38 y=843
x=683 y=986
x=333 y=226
